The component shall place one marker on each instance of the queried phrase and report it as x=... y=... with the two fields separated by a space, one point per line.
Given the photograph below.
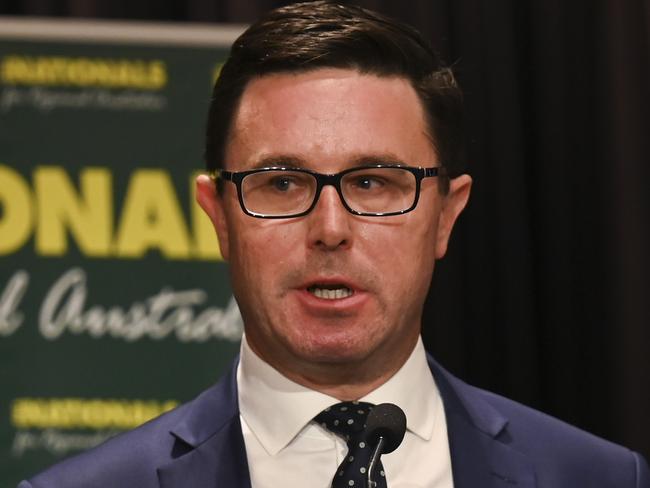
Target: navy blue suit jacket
x=494 y=442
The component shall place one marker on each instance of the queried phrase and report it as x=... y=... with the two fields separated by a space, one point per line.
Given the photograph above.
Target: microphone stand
x=374 y=461
x=386 y=425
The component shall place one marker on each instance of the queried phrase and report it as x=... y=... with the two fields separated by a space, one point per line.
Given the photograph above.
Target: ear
x=212 y=204
x=452 y=205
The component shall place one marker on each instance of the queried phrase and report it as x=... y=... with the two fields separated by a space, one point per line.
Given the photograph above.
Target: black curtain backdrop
x=544 y=295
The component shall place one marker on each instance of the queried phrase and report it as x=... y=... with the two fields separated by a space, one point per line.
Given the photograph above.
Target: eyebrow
x=380 y=159
x=292 y=161
x=279 y=160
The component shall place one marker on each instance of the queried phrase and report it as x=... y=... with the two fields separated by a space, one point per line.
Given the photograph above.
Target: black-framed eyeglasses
x=374 y=190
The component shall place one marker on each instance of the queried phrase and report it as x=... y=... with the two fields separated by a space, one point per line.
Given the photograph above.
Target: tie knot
x=346 y=419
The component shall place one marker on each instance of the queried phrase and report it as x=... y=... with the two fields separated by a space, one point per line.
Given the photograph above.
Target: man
x=333 y=135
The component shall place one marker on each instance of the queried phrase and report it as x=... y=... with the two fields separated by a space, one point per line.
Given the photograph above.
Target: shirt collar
x=262 y=390
x=412 y=389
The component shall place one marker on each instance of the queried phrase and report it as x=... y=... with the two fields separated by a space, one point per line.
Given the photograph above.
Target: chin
x=332 y=350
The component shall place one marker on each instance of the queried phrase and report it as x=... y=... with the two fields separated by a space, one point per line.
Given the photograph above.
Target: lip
x=315 y=304
x=330 y=281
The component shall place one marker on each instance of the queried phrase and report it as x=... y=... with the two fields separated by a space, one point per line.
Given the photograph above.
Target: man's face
x=328 y=120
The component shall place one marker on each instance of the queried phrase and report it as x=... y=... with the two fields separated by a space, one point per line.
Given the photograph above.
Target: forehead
x=329 y=118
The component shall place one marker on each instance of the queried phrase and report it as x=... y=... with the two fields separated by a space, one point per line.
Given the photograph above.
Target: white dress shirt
x=285 y=448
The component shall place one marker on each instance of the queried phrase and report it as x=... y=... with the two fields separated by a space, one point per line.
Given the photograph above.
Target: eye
x=281 y=183
x=367 y=182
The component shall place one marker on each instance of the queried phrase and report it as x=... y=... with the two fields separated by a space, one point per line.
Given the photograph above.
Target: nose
x=329 y=222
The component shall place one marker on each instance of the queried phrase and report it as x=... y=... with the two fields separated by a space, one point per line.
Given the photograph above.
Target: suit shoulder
x=547 y=429
x=560 y=455
x=131 y=459
x=123 y=460
x=558 y=447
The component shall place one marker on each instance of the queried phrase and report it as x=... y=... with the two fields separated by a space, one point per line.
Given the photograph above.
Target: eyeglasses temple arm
x=435 y=171
x=221 y=174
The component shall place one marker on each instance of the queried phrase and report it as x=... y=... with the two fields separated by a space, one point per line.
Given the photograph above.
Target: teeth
x=330 y=294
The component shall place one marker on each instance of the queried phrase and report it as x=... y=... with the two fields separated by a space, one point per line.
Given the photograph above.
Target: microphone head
x=388 y=421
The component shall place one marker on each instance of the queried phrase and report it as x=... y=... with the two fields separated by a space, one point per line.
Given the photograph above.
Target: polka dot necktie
x=347 y=419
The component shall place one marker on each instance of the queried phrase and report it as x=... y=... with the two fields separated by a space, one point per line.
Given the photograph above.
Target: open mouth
x=330 y=292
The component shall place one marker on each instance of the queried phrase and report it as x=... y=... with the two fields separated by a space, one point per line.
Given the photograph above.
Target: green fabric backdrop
x=114 y=302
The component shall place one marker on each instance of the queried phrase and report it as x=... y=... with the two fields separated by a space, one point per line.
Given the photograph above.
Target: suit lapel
x=478 y=439
x=210 y=450
x=481 y=461
x=220 y=462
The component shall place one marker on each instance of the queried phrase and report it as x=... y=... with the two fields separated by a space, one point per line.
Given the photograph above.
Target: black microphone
x=385 y=428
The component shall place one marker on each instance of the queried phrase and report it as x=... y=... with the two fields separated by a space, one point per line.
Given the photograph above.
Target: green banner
x=114 y=301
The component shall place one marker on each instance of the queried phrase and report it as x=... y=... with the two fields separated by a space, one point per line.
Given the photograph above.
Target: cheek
x=405 y=253
x=261 y=250
x=247 y=254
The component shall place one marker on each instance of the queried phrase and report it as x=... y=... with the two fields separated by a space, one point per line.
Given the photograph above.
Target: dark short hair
x=321 y=34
